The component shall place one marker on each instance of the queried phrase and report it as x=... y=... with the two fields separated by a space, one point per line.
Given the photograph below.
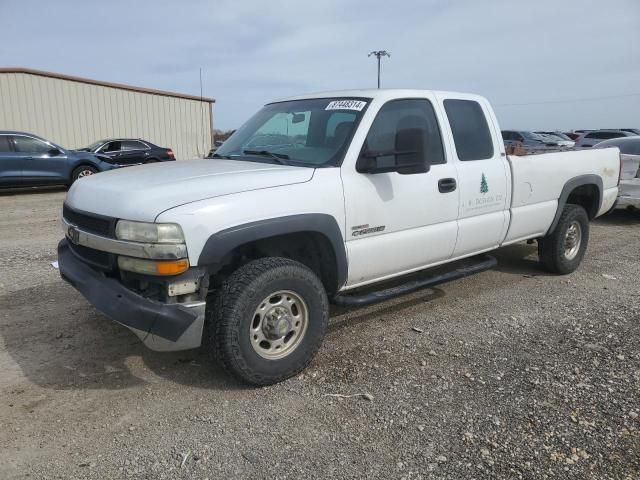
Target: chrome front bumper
x=153 y=251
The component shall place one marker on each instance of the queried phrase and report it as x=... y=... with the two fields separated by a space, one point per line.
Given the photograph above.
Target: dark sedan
x=131 y=151
x=28 y=160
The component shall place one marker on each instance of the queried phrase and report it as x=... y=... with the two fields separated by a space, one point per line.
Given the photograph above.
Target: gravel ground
x=511 y=373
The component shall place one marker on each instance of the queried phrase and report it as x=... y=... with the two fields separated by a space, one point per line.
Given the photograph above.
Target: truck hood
x=143 y=192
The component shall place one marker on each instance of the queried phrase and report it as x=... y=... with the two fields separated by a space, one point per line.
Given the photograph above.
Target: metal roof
x=42 y=73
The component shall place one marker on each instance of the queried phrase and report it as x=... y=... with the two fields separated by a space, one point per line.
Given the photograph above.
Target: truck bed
x=537 y=182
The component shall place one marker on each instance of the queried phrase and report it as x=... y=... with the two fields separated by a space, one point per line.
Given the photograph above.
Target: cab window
x=398 y=115
x=470 y=130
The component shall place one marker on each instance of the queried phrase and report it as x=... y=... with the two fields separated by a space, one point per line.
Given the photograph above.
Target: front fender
x=220 y=244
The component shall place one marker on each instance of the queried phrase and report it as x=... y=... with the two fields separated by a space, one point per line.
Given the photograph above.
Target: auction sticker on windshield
x=357 y=105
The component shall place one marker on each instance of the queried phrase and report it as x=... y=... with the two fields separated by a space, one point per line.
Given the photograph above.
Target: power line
x=586 y=99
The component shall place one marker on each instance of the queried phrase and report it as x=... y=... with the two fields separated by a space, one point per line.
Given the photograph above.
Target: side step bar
x=483 y=263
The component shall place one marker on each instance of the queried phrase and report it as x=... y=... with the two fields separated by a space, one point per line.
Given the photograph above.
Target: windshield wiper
x=217 y=155
x=278 y=157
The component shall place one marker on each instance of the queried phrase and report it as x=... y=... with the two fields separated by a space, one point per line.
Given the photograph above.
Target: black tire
x=232 y=312
x=552 y=249
x=83 y=171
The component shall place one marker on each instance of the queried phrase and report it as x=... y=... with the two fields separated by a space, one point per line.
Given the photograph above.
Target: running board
x=483 y=263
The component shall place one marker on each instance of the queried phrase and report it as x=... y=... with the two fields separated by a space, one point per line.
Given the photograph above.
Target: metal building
x=74 y=112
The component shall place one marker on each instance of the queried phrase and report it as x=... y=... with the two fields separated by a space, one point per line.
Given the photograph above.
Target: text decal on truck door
x=359 y=230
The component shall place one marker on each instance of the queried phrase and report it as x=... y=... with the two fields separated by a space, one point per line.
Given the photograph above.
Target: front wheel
x=83 y=171
x=562 y=250
x=267 y=320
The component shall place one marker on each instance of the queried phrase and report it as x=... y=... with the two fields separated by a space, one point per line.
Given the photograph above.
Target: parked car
x=530 y=141
x=131 y=151
x=571 y=135
x=243 y=254
x=590 y=138
x=29 y=160
x=559 y=138
x=635 y=131
x=629 y=190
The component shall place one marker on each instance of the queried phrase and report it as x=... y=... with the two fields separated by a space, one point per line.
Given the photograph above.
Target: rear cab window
x=470 y=130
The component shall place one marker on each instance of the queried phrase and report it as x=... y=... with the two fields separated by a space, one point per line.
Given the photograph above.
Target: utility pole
x=379 y=54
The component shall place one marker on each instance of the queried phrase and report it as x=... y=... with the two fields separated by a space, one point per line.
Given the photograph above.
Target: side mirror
x=298 y=118
x=54 y=152
x=408 y=156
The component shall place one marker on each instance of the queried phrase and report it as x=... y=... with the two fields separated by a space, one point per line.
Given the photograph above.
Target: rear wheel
x=83 y=171
x=562 y=250
x=267 y=320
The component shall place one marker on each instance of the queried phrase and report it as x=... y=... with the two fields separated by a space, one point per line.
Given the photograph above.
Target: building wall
x=74 y=114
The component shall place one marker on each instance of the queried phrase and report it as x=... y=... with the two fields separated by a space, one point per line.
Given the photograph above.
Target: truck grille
x=97 y=258
x=90 y=222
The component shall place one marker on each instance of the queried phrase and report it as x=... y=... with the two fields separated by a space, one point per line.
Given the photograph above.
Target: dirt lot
x=515 y=374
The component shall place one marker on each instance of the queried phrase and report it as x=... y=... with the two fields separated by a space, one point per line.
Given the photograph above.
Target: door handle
x=28 y=158
x=446 y=185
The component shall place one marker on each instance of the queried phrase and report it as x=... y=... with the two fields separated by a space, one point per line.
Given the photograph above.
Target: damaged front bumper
x=160 y=326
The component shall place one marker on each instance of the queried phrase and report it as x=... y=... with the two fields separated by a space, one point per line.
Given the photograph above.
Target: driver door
x=399 y=223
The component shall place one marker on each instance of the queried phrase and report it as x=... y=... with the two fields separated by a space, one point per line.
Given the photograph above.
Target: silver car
x=558 y=138
x=629 y=190
x=590 y=138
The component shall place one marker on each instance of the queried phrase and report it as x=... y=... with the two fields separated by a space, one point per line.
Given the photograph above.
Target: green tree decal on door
x=484 y=188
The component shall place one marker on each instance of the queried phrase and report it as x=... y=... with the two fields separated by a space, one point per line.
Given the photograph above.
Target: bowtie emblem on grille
x=73 y=234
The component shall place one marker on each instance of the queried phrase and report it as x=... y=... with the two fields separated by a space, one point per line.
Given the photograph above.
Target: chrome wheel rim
x=85 y=173
x=278 y=325
x=572 y=240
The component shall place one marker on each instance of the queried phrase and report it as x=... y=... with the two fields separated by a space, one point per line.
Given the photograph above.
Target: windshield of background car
x=310 y=132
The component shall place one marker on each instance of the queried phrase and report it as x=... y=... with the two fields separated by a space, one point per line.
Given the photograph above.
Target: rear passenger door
x=133 y=152
x=10 y=166
x=482 y=176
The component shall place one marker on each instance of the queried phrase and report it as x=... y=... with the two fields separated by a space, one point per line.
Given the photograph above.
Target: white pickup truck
x=312 y=199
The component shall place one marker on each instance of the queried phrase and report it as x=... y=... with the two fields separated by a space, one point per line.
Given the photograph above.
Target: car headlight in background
x=149 y=232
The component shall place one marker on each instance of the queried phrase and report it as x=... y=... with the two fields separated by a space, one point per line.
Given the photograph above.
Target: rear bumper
x=161 y=327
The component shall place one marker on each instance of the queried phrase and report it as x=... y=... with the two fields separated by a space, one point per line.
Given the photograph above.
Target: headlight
x=153 y=267
x=149 y=232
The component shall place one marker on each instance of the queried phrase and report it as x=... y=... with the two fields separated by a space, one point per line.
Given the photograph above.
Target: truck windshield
x=310 y=132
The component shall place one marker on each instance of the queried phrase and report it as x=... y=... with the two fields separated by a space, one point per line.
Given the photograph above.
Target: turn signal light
x=153 y=267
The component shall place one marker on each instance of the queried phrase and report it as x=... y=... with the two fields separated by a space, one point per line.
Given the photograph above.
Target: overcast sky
x=516 y=53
